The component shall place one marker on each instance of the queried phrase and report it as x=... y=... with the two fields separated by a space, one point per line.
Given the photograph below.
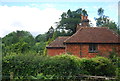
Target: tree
x=112 y=25
x=39 y=47
x=102 y=18
x=70 y=19
x=50 y=33
x=41 y=38
x=17 y=42
x=104 y=21
x=17 y=36
x=100 y=12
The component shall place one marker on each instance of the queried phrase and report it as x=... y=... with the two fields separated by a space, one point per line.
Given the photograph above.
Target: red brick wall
x=83 y=50
x=79 y=50
x=104 y=49
x=53 y=52
x=73 y=49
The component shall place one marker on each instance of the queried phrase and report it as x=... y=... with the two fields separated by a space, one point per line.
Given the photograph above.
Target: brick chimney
x=84 y=22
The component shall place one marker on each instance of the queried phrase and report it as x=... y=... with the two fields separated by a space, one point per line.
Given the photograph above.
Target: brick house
x=86 y=42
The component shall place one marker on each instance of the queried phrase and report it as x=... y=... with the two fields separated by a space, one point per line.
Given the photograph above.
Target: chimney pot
x=85 y=21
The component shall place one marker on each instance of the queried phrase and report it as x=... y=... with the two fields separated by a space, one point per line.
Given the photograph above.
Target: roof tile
x=58 y=42
x=94 y=35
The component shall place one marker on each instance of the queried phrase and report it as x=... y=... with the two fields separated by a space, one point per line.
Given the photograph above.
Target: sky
x=38 y=16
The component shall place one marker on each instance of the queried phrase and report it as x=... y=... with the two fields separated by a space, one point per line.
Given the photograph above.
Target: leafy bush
x=98 y=66
x=103 y=66
x=62 y=66
x=22 y=65
x=42 y=77
x=87 y=66
x=118 y=73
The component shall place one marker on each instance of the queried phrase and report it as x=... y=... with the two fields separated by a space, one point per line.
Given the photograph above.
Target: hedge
x=21 y=65
x=100 y=66
x=60 y=66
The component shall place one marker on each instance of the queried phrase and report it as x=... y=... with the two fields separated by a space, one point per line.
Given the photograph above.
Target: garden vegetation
x=65 y=66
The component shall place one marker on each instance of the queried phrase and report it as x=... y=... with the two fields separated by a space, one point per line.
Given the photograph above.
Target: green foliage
x=0 y=46
x=22 y=65
x=60 y=32
x=18 y=36
x=100 y=12
x=112 y=25
x=118 y=73
x=50 y=33
x=17 y=42
x=114 y=57
x=104 y=21
x=47 y=43
x=65 y=66
x=41 y=38
x=102 y=18
x=42 y=77
x=70 y=19
x=23 y=42
x=103 y=66
x=87 y=66
x=62 y=66
x=0 y=56
x=39 y=47
x=98 y=66
x=19 y=47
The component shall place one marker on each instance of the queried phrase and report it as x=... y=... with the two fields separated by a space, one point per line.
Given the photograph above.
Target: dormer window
x=93 y=48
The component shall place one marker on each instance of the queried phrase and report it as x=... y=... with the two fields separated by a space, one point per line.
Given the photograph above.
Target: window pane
x=92 y=48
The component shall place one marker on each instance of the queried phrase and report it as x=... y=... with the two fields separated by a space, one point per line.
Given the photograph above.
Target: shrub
x=103 y=66
x=62 y=66
x=118 y=73
x=87 y=66
x=22 y=65
x=98 y=66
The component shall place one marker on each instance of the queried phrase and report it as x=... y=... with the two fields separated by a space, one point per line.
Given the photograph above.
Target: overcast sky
x=38 y=16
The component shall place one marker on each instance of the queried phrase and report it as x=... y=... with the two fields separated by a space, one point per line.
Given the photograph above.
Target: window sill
x=93 y=51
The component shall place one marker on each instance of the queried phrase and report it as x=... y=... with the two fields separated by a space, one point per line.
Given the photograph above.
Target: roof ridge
x=62 y=36
x=93 y=27
x=88 y=34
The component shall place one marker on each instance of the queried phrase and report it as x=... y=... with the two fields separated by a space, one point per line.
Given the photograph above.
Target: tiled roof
x=94 y=35
x=58 y=43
